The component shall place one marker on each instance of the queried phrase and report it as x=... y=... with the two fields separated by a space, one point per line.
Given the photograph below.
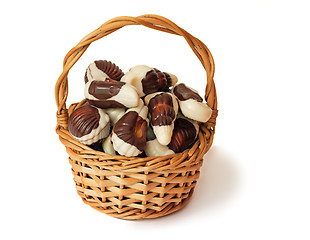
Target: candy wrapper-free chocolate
x=102 y=70
x=163 y=109
x=129 y=132
x=149 y=80
x=89 y=124
x=105 y=94
x=191 y=104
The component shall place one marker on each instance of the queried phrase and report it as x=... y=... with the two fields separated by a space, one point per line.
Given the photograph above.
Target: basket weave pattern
x=134 y=187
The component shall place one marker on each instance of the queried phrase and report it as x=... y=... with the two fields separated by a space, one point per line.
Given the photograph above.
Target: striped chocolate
x=88 y=124
x=129 y=132
x=149 y=80
x=163 y=109
x=184 y=134
x=102 y=69
x=191 y=104
x=105 y=94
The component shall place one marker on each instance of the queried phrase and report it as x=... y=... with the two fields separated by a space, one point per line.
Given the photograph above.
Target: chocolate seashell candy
x=115 y=114
x=184 y=134
x=89 y=124
x=102 y=70
x=149 y=80
x=154 y=149
x=129 y=133
x=105 y=94
x=163 y=109
x=191 y=104
x=107 y=146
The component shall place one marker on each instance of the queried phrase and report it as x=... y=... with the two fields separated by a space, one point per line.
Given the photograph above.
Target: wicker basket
x=133 y=187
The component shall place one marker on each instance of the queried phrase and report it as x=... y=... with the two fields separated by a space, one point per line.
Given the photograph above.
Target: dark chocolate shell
x=114 y=94
x=184 y=134
x=156 y=81
x=88 y=124
x=162 y=109
x=129 y=132
x=182 y=92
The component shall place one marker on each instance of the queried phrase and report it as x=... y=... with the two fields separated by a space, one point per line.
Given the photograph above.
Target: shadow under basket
x=135 y=187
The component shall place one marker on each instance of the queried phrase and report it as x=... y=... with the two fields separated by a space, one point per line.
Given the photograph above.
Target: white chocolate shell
x=124 y=148
x=115 y=114
x=134 y=77
x=195 y=110
x=163 y=133
x=191 y=103
x=107 y=146
x=154 y=149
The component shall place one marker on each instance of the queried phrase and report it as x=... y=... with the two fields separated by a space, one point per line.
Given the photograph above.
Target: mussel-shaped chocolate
x=105 y=94
x=129 y=133
x=102 y=70
x=107 y=146
x=191 y=104
x=163 y=109
x=89 y=124
x=149 y=80
x=154 y=149
x=184 y=134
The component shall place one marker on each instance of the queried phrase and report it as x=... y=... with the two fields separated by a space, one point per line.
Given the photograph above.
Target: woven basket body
x=133 y=187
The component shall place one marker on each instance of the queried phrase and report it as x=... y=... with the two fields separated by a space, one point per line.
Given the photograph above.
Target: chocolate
x=163 y=108
x=182 y=92
x=131 y=128
x=89 y=124
x=184 y=134
x=115 y=114
x=191 y=104
x=129 y=132
x=149 y=80
x=106 y=104
x=107 y=146
x=112 y=94
x=154 y=149
x=156 y=81
x=104 y=90
x=102 y=70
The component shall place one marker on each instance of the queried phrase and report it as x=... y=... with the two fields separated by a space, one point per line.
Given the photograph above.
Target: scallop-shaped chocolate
x=116 y=94
x=184 y=134
x=129 y=132
x=102 y=70
x=89 y=124
x=149 y=80
x=163 y=109
x=191 y=104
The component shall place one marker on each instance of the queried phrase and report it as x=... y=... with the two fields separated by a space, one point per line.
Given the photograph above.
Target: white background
x=255 y=181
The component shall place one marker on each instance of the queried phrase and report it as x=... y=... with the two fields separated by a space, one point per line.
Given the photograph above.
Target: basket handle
x=152 y=21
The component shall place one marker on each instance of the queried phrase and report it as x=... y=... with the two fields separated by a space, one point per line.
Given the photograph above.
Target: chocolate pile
x=142 y=112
